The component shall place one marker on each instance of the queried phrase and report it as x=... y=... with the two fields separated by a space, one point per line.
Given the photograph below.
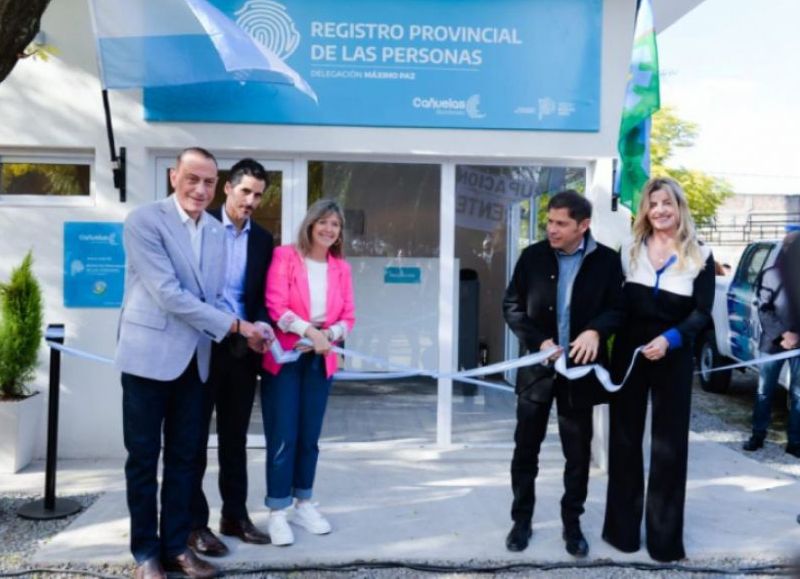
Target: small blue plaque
x=94 y=264
x=402 y=275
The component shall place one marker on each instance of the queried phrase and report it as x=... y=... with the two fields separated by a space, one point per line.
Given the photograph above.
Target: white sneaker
x=307 y=516
x=278 y=528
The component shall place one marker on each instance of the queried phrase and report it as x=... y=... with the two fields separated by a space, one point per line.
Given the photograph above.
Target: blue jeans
x=293 y=406
x=767 y=380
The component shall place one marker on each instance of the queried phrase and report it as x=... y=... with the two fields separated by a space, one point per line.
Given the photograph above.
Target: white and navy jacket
x=670 y=301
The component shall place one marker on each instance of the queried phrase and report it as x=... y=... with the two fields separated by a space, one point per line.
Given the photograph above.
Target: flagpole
x=118 y=161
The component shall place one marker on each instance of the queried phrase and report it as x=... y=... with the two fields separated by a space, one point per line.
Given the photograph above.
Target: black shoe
x=576 y=543
x=518 y=537
x=793 y=449
x=754 y=443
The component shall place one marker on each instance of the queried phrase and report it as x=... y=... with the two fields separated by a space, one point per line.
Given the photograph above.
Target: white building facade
x=422 y=197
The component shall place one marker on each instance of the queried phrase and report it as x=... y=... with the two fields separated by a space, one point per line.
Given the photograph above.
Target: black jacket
x=259 y=256
x=530 y=309
x=791 y=281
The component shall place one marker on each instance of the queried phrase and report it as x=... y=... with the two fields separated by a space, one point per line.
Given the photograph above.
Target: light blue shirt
x=568 y=266
x=236 y=251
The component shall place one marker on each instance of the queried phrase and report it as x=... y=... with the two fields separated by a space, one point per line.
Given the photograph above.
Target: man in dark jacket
x=234 y=368
x=791 y=280
x=565 y=294
x=791 y=273
x=779 y=332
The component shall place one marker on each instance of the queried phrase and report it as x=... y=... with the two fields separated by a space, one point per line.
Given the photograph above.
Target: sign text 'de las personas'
x=505 y=64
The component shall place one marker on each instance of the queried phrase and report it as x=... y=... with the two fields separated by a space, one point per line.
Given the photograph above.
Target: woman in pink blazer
x=309 y=294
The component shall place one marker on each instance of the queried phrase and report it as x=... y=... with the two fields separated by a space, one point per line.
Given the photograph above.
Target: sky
x=732 y=67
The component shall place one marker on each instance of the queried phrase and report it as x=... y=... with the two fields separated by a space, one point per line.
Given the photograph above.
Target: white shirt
x=317 y=289
x=195 y=229
x=318 y=296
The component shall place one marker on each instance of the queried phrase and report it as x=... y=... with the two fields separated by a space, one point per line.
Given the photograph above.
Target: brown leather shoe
x=206 y=543
x=150 y=569
x=245 y=530
x=191 y=565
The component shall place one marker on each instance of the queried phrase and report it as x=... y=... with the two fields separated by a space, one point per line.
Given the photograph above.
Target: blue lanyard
x=672 y=259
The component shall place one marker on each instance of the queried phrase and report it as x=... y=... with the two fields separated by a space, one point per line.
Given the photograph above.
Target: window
x=391 y=209
x=754 y=262
x=37 y=179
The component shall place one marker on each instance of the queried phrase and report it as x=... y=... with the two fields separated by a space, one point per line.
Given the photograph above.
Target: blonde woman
x=669 y=293
x=309 y=295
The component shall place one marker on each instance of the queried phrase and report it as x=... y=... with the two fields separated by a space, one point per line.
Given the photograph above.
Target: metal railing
x=754 y=227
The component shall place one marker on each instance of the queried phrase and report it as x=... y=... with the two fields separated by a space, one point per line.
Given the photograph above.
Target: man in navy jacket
x=234 y=367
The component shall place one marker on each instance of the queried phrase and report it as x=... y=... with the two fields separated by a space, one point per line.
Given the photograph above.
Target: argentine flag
x=150 y=43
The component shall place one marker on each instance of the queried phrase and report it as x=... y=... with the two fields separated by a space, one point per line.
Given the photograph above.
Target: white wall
x=57 y=106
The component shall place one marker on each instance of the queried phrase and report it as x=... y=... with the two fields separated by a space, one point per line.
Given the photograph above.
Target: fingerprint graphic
x=269 y=23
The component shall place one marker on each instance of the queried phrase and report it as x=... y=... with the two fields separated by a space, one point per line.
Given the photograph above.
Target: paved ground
x=449 y=508
x=727 y=419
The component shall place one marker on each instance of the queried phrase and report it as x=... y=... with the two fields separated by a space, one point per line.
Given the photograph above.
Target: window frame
x=84 y=157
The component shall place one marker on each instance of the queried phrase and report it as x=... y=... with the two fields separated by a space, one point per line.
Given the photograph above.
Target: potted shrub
x=21 y=317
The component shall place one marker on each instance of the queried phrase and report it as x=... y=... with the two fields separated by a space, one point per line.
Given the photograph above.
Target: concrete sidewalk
x=447 y=507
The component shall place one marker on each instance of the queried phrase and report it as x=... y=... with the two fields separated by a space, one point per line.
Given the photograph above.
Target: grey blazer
x=172 y=307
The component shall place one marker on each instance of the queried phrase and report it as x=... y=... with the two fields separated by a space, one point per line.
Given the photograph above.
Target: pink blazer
x=287 y=291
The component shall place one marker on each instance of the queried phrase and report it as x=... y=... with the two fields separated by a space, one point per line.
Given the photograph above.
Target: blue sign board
x=94 y=265
x=402 y=275
x=505 y=64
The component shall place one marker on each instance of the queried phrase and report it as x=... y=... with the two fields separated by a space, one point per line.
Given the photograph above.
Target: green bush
x=21 y=318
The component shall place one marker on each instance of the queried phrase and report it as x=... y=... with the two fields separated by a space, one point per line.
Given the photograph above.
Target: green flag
x=642 y=99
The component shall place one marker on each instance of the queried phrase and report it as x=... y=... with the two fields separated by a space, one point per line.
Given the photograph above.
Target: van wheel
x=708 y=358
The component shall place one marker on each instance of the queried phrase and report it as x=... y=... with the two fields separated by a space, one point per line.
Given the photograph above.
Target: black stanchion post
x=50 y=507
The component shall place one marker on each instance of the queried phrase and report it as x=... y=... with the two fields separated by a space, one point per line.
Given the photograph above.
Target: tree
x=704 y=192
x=19 y=24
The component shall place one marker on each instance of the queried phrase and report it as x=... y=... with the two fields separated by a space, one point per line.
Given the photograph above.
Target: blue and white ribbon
x=395 y=371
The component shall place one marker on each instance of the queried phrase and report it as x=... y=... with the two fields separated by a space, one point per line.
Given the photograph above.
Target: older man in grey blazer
x=171 y=312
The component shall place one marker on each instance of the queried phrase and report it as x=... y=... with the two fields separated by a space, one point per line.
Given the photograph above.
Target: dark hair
x=249 y=167
x=578 y=206
x=198 y=150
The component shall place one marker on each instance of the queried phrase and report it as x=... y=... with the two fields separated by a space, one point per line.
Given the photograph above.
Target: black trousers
x=231 y=390
x=575 y=431
x=669 y=382
x=148 y=408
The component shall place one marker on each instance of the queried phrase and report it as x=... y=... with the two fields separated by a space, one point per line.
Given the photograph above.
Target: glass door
x=391 y=212
x=500 y=210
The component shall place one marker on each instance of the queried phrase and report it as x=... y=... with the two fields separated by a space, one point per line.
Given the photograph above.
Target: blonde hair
x=317 y=211
x=687 y=243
